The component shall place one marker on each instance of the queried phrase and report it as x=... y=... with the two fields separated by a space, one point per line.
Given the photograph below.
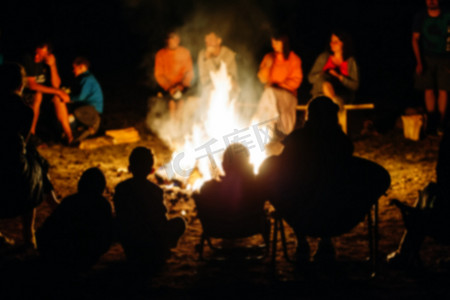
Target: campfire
x=198 y=157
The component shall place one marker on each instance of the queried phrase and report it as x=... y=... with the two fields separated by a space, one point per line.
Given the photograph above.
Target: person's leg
x=442 y=106
x=28 y=228
x=430 y=106
x=267 y=112
x=172 y=109
x=328 y=89
x=87 y=116
x=286 y=106
x=430 y=101
x=62 y=115
x=36 y=106
x=443 y=86
x=179 y=108
x=342 y=119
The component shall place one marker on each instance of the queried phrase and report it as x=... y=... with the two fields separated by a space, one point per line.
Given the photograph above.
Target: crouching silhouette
x=144 y=230
x=79 y=231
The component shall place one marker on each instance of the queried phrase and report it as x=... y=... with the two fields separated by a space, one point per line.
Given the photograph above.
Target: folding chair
x=219 y=222
x=208 y=236
x=373 y=237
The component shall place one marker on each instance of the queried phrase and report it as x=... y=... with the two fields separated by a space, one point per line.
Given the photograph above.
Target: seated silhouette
x=79 y=231
x=144 y=230
x=232 y=207
x=316 y=184
x=429 y=217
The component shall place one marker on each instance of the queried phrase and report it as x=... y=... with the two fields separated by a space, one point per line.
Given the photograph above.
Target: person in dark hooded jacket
x=317 y=185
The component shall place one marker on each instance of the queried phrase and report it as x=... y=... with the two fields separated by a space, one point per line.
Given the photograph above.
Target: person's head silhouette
x=92 y=181
x=322 y=112
x=236 y=159
x=12 y=78
x=141 y=162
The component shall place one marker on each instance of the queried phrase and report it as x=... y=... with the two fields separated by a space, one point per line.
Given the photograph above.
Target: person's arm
x=317 y=69
x=416 y=50
x=352 y=80
x=37 y=87
x=189 y=71
x=50 y=60
x=203 y=71
x=295 y=77
x=86 y=88
x=160 y=77
x=232 y=67
x=264 y=68
x=155 y=211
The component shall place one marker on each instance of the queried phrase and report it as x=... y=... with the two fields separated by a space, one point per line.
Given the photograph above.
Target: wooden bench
x=343 y=115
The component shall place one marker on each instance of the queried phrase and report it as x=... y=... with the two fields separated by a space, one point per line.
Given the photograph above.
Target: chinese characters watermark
x=256 y=135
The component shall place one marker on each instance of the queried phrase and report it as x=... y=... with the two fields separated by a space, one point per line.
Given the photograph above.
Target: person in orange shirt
x=281 y=73
x=173 y=71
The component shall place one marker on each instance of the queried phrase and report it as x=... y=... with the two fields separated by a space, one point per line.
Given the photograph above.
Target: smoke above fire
x=244 y=29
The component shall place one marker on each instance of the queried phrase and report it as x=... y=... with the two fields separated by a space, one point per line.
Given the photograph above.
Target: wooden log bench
x=343 y=115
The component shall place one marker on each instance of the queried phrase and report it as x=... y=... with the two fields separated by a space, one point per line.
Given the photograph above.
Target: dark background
x=120 y=37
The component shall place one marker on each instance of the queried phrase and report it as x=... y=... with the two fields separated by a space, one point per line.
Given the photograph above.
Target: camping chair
x=208 y=236
x=372 y=236
x=340 y=202
x=221 y=226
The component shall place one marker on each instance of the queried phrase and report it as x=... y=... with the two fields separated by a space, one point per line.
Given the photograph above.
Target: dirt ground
x=410 y=164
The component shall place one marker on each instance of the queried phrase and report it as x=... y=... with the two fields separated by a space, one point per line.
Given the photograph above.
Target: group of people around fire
x=334 y=74
x=316 y=184
x=80 y=229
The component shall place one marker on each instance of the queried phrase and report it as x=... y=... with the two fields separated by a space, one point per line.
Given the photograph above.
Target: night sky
x=122 y=36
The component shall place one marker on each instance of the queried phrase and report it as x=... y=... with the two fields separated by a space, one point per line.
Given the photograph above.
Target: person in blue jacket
x=86 y=100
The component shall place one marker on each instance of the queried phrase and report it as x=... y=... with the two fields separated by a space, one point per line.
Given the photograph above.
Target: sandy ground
x=410 y=164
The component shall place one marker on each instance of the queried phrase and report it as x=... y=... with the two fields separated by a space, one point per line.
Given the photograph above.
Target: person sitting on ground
x=144 y=230
x=429 y=216
x=173 y=71
x=316 y=184
x=42 y=79
x=86 y=100
x=79 y=231
x=24 y=181
x=233 y=206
